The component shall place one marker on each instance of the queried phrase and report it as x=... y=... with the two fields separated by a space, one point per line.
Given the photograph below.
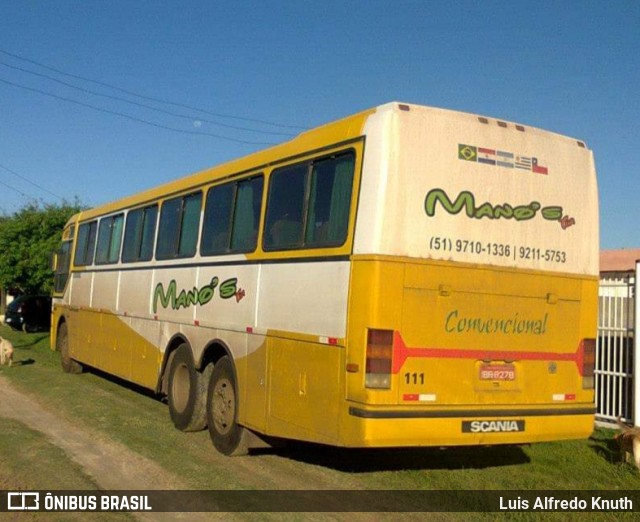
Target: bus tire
x=228 y=437
x=62 y=346
x=187 y=391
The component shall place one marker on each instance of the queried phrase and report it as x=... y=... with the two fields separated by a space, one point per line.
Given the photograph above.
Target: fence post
x=635 y=378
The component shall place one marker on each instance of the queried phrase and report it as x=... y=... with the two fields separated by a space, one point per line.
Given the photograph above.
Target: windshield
x=15 y=304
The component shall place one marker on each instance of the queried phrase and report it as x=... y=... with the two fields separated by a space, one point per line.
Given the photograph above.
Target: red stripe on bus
x=401 y=353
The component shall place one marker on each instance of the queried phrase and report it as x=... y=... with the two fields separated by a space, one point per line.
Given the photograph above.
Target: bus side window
x=246 y=216
x=139 y=234
x=232 y=217
x=330 y=201
x=285 y=208
x=217 y=220
x=62 y=266
x=109 y=239
x=179 y=224
x=309 y=204
x=85 y=247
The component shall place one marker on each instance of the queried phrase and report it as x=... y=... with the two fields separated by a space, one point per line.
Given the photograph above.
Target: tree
x=28 y=239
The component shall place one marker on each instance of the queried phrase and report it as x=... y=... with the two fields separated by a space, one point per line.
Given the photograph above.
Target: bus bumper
x=365 y=427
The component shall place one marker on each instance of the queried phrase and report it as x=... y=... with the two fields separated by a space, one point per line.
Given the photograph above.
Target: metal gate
x=614 y=368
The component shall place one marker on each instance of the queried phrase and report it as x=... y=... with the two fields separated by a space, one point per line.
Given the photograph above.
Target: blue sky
x=572 y=67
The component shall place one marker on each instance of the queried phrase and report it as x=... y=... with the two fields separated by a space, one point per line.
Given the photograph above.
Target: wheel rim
x=180 y=387
x=224 y=406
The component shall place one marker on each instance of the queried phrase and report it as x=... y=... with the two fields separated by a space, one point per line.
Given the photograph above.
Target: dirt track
x=113 y=466
x=110 y=464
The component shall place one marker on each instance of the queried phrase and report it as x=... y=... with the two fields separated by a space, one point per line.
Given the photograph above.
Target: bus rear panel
x=473 y=295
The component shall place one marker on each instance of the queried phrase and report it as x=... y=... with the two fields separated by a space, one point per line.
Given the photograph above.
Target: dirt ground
x=110 y=464
x=113 y=466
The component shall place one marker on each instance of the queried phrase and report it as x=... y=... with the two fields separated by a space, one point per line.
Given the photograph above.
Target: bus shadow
x=366 y=460
x=123 y=383
x=350 y=460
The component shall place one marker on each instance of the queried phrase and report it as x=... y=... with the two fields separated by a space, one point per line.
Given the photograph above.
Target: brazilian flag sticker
x=467 y=152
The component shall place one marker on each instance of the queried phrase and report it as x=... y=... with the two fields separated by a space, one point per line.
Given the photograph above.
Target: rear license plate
x=497 y=372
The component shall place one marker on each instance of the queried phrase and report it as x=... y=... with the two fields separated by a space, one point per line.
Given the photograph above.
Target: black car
x=29 y=313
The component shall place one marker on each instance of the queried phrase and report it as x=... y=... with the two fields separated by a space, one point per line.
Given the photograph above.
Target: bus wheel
x=227 y=436
x=62 y=346
x=187 y=392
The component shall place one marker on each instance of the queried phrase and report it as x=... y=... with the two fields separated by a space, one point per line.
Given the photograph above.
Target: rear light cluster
x=379 y=356
x=588 y=363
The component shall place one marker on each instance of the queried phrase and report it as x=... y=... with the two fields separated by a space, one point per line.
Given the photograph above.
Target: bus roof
x=331 y=133
x=313 y=139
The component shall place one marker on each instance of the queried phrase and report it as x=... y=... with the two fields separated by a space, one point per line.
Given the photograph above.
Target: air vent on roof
x=483 y=120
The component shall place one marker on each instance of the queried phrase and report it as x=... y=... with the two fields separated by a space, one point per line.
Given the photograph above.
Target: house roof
x=623 y=260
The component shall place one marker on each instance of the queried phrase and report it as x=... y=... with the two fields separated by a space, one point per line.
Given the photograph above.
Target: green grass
x=29 y=462
x=141 y=422
x=28 y=459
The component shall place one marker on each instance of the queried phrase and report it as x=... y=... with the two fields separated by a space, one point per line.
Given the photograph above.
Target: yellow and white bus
x=407 y=276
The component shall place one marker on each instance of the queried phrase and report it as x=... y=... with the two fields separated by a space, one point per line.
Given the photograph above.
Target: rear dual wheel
x=227 y=435
x=187 y=391
x=208 y=399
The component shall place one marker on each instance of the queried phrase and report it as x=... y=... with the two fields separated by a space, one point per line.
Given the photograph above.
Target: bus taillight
x=379 y=354
x=588 y=363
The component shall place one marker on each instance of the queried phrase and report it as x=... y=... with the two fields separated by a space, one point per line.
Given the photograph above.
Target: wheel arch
x=169 y=351
x=215 y=350
x=56 y=330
